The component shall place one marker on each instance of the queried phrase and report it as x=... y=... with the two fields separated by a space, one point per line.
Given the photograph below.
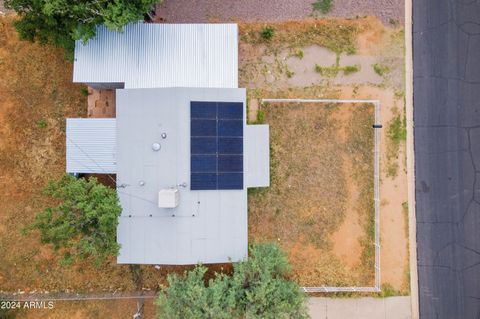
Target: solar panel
x=216 y=145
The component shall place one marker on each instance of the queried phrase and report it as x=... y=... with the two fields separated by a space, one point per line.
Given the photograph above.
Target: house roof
x=208 y=226
x=91 y=146
x=160 y=55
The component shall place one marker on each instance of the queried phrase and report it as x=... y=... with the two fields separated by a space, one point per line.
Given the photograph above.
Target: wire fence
x=64 y=296
x=376 y=193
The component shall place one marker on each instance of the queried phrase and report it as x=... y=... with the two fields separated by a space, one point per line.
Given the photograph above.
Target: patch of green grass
x=328 y=71
x=260 y=117
x=42 y=123
x=381 y=69
x=84 y=90
x=388 y=291
x=396 y=133
x=333 y=70
x=323 y=6
x=349 y=69
x=267 y=33
x=397 y=130
x=290 y=73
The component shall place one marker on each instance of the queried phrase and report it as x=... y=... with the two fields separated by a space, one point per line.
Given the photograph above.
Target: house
x=179 y=145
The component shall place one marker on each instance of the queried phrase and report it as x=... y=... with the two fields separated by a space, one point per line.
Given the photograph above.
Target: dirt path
x=388 y=11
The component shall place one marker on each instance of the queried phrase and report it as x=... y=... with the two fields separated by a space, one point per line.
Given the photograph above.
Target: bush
x=84 y=223
x=349 y=69
x=323 y=6
x=267 y=33
x=258 y=289
x=42 y=123
x=84 y=91
x=62 y=22
x=381 y=69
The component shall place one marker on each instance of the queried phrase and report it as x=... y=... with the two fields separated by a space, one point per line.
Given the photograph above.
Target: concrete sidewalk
x=360 y=308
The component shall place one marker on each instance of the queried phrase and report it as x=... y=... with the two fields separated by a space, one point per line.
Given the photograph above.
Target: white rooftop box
x=168 y=198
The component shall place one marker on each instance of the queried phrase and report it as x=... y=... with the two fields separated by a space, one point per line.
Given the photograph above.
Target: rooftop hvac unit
x=168 y=198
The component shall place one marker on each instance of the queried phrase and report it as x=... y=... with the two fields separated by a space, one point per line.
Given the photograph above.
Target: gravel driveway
x=274 y=10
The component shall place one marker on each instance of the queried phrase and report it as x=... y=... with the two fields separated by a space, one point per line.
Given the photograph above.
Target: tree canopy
x=84 y=221
x=258 y=289
x=61 y=22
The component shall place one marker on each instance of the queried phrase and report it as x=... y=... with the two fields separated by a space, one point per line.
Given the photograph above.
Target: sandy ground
x=285 y=70
x=393 y=193
x=388 y=11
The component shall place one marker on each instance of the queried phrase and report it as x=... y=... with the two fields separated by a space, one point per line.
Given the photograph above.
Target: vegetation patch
x=306 y=201
x=267 y=33
x=333 y=70
x=240 y=295
x=337 y=35
x=381 y=69
x=324 y=6
x=397 y=135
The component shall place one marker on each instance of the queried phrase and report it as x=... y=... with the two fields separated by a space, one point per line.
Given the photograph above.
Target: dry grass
x=37 y=95
x=307 y=199
x=337 y=35
x=118 y=309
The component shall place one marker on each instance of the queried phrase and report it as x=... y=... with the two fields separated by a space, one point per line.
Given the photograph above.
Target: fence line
x=376 y=193
x=152 y=294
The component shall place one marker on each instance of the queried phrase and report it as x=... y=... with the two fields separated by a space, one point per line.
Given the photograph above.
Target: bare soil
x=118 y=309
x=276 y=71
x=175 y=11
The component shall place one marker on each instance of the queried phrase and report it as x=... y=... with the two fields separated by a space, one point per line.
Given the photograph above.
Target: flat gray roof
x=206 y=226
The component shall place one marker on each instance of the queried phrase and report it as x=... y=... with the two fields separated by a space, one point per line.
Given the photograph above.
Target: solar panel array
x=216 y=145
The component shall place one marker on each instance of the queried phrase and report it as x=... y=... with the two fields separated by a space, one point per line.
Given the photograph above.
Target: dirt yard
x=328 y=247
x=327 y=233
x=321 y=179
x=118 y=309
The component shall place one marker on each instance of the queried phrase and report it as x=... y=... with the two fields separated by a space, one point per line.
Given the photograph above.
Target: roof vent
x=156 y=147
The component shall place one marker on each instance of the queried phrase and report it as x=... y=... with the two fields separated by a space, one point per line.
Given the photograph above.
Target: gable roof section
x=160 y=55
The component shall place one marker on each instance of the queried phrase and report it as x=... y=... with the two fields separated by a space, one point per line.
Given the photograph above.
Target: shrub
x=349 y=69
x=267 y=33
x=323 y=6
x=84 y=223
x=258 y=289
x=381 y=69
x=84 y=91
x=41 y=123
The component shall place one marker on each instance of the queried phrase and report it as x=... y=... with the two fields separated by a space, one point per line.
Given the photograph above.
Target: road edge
x=412 y=221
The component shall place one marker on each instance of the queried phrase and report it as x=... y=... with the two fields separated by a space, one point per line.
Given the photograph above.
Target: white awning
x=91 y=146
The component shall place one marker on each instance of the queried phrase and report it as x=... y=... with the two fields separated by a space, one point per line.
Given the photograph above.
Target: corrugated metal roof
x=161 y=55
x=91 y=146
x=257 y=154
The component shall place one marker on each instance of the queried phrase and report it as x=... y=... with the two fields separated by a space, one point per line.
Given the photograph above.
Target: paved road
x=447 y=152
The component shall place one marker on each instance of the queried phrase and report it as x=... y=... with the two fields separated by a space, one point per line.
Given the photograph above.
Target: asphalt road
x=446 y=53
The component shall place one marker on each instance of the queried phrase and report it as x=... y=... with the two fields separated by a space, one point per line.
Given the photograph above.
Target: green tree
x=84 y=221
x=258 y=288
x=61 y=22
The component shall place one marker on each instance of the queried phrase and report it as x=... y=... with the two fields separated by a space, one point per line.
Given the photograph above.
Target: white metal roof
x=91 y=146
x=160 y=55
x=257 y=155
